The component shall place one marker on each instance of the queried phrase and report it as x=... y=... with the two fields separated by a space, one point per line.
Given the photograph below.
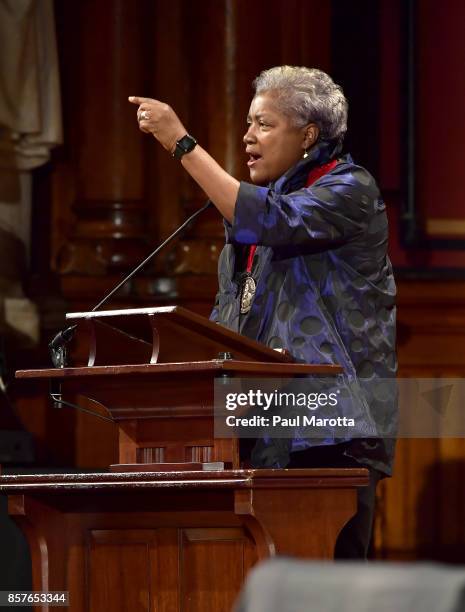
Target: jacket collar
x=321 y=153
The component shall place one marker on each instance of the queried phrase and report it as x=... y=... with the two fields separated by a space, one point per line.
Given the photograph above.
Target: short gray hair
x=307 y=95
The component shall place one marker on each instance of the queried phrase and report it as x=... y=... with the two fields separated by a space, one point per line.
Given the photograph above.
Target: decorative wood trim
x=454 y=228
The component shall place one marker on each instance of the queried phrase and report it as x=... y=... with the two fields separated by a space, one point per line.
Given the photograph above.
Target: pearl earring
x=306 y=154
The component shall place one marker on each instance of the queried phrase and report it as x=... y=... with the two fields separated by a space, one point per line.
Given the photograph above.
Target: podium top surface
x=169 y=339
x=97 y=314
x=179 y=326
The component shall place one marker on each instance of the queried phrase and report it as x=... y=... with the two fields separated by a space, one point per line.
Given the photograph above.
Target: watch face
x=184 y=145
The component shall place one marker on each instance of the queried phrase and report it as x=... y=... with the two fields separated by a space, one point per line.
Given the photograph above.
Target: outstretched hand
x=157 y=118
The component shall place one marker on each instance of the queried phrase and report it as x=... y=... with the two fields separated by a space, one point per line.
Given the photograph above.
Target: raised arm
x=160 y=120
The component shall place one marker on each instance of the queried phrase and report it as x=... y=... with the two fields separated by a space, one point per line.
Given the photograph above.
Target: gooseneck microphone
x=58 y=348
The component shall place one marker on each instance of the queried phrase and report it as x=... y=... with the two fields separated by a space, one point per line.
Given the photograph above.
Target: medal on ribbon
x=247 y=293
x=248 y=284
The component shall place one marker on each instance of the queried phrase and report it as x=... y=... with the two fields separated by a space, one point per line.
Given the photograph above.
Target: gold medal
x=247 y=294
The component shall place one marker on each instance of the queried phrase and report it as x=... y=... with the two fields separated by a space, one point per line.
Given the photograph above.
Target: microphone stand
x=58 y=346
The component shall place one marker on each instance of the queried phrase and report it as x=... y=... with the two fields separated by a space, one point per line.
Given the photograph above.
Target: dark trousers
x=354 y=540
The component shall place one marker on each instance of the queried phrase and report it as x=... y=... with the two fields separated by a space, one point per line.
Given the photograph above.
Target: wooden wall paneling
x=63 y=178
x=63 y=196
x=450 y=491
x=421 y=508
x=389 y=529
x=306 y=33
x=440 y=47
x=168 y=82
x=408 y=520
x=290 y=38
x=258 y=47
x=438 y=208
x=203 y=82
x=272 y=33
x=421 y=501
x=191 y=49
x=205 y=46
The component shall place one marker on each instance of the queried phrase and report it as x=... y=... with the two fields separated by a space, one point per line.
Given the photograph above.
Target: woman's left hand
x=159 y=119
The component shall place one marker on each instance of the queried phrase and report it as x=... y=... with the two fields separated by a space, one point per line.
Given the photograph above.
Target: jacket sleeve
x=214 y=313
x=330 y=213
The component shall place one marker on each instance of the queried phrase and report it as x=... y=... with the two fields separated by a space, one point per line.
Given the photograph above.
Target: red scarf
x=320 y=171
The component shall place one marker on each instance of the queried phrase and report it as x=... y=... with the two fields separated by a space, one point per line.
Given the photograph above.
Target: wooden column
x=194 y=46
x=106 y=61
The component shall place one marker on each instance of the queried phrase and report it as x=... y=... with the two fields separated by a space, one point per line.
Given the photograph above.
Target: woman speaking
x=305 y=265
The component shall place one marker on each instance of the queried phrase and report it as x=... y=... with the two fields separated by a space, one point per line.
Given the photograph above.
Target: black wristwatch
x=184 y=145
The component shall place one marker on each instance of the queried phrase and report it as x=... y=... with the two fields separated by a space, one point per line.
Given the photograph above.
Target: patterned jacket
x=325 y=288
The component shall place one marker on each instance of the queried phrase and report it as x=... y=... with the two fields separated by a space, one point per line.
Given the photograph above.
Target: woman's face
x=273 y=144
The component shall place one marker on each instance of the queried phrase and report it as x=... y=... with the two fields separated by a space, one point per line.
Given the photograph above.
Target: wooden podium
x=167 y=529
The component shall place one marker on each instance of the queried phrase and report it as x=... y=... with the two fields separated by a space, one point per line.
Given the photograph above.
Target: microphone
x=58 y=348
